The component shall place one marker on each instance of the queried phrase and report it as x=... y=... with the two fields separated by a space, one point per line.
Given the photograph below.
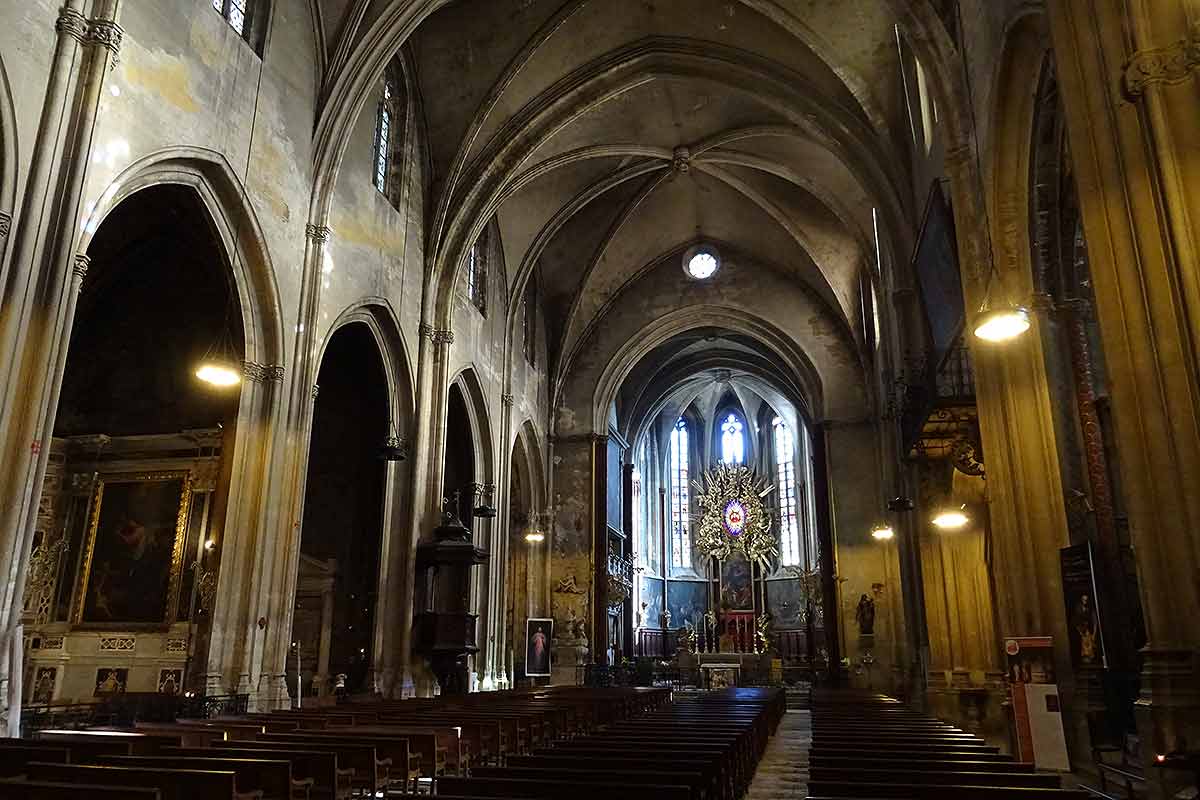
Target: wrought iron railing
x=126 y=710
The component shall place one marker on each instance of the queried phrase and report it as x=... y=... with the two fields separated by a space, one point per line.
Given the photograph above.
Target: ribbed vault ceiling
x=608 y=135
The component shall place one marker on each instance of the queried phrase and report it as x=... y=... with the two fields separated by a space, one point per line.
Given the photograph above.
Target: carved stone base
x=568 y=654
x=1168 y=711
x=272 y=693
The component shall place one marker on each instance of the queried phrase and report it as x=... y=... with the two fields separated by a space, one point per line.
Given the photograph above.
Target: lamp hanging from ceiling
x=1001 y=320
x=951 y=519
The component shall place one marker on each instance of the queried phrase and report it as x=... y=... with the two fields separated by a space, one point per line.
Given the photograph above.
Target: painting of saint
x=110 y=681
x=737 y=589
x=539 y=633
x=135 y=524
x=169 y=680
x=43 y=684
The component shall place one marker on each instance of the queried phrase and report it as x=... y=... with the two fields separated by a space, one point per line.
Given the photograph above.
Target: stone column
x=322 y=676
x=39 y=295
x=571 y=543
x=1129 y=75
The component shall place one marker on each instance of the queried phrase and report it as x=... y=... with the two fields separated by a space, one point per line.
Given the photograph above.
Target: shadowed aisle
x=783 y=771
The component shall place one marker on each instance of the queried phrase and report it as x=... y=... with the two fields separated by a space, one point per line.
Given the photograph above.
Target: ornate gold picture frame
x=132 y=563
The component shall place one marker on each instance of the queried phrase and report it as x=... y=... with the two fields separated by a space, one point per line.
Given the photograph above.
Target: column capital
x=262 y=373
x=5 y=224
x=71 y=23
x=105 y=33
x=318 y=233
x=438 y=336
x=82 y=263
x=1171 y=64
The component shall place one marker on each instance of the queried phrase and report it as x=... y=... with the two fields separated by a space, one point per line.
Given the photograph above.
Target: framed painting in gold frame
x=133 y=551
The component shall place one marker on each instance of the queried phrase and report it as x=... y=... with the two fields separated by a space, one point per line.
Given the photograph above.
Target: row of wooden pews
x=697 y=748
x=867 y=745
x=349 y=750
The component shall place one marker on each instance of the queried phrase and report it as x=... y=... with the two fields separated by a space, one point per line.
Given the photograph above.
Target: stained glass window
x=529 y=319
x=785 y=493
x=383 y=139
x=235 y=13
x=733 y=440
x=477 y=272
x=681 y=535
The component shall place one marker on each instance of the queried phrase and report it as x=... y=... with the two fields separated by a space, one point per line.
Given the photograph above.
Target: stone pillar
x=1129 y=75
x=39 y=300
x=322 y=677
x=571 y=553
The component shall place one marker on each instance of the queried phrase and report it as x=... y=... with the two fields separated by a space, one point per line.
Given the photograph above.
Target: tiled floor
x=783 y=771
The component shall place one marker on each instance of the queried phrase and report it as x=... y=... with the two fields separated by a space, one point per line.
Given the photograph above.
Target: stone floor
x=783 y=771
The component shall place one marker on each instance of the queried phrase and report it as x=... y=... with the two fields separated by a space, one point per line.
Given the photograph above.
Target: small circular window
x=701 y=262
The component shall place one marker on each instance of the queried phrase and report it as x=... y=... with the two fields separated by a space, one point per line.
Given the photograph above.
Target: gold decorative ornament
x=734 y=518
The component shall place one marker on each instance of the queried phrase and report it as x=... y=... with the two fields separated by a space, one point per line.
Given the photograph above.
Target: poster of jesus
x=539 y=633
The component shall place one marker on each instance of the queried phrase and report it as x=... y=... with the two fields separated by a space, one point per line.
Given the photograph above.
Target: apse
x=705 y=399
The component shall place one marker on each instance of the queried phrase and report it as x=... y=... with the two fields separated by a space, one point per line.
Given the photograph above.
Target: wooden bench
x=329 y=782
x=367 y=773
x=16 y=789
x=940 y=777
x=172 y=784
x=394 y=763
x=558 y=790
x=271 y=777
x=16 y=756
x=663 y=775
x=921 y=791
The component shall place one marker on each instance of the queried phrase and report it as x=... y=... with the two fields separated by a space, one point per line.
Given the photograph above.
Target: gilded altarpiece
x=119 y=564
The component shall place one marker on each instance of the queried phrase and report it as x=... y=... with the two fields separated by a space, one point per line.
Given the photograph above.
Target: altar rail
x=790 y=645
x=127 y=709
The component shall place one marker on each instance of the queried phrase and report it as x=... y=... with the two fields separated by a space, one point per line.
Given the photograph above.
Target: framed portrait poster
x=133 y=550
x=539 y=634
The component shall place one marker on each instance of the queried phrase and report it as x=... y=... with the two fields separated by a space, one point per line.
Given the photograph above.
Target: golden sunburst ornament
x=734 y=518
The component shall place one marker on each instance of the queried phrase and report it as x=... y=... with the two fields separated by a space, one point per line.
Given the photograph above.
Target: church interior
x=704 y=399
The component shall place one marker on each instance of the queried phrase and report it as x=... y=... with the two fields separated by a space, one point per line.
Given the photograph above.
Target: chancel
x=599 y=398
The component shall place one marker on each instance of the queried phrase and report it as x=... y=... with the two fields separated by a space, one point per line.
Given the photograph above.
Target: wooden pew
x=395 y=763
x=558 y=790
x=329 y=782
x=901 y=791
x=14 y=789
x=663 y=775
x=15 y=754
x=368 y=774
x=172 y=784
x=271 y=777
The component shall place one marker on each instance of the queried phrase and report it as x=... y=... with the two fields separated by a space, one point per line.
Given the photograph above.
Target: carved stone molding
x=318 y=233
x=681 y=161
x=316 y=390
x=175 y=646
x=82 y=263
x=118 y=644
x=437 y=335
x=507 y=400
x=105 y=33
x=1171 y=64
x=5 y=224
x=71 y=23
x=262 y=373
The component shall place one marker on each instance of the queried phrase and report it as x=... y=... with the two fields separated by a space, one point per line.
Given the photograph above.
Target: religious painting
x=169 y=681
x=1083 y=613
x=786 y=604
x=652 y=599
x=539 y=634
x=110 y=681
x=133 y=550
x=737 y=584
x=43 y=684
x=685 y=599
